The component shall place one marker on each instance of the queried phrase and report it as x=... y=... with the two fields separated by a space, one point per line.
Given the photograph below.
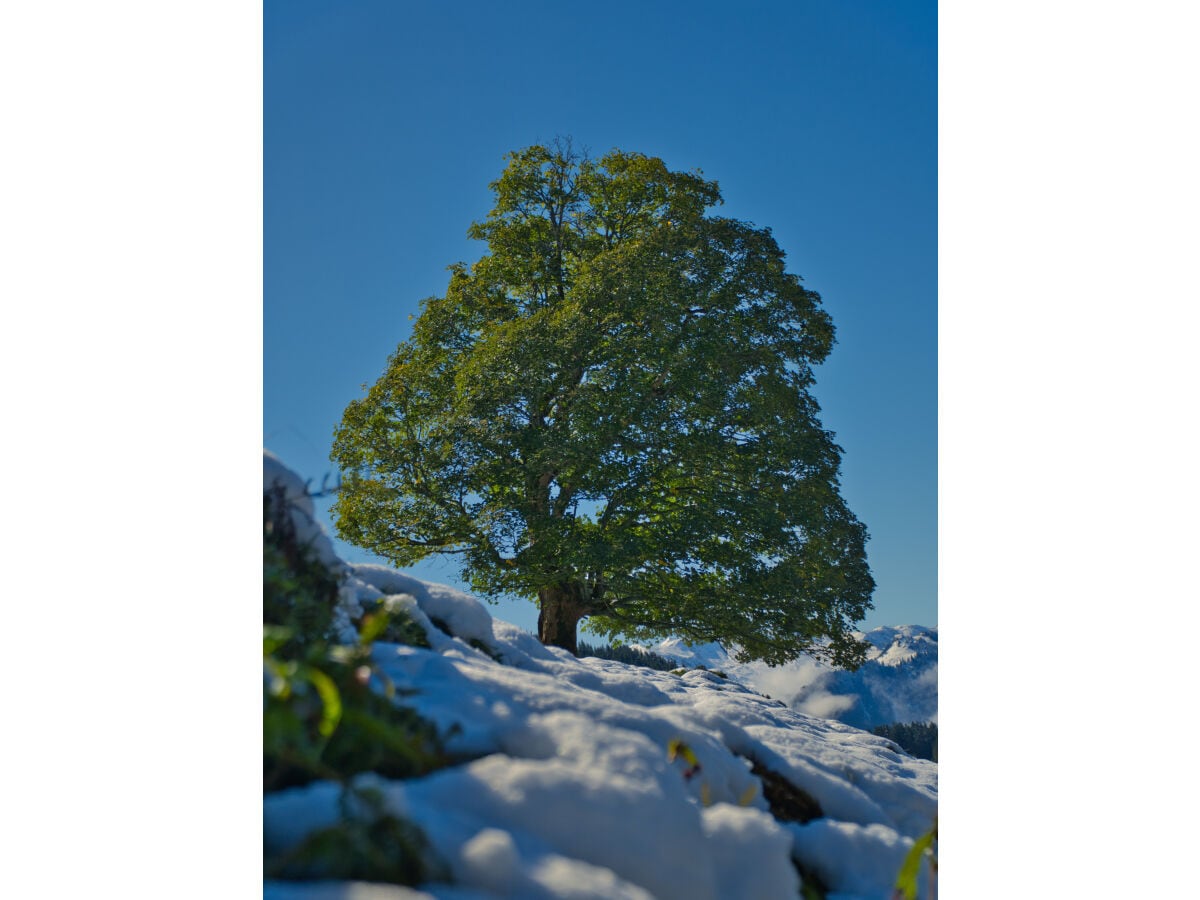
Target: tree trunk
x=560 y=609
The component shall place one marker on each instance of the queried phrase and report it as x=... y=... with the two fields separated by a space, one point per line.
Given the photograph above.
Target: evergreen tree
x=634 y=656
x=610 y=412
x=915 y=738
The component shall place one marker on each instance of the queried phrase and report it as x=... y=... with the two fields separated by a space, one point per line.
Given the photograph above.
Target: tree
x=610 y=412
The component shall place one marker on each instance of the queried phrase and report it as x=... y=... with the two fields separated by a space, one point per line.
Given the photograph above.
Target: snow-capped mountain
x=897 y=683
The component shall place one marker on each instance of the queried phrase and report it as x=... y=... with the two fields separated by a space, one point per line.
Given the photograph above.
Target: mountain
x=897 y=683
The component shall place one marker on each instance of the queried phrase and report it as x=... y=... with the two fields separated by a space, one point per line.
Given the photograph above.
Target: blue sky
x=384 y=123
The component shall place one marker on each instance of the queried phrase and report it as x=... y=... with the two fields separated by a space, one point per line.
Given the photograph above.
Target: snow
x=570 y=788
x=898 y=682
x=462 y=613
x=861 y=861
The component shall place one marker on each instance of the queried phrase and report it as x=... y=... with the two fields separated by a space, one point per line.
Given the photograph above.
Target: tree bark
x=560 y=608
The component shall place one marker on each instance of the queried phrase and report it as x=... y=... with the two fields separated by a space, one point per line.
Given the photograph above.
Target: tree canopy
x=610 y=412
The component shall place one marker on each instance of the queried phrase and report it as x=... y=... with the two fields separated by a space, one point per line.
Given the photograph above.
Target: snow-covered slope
x=897 y=683
x=571 y=789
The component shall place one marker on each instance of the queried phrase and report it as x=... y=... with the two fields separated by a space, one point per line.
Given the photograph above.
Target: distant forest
x=634 y=656
x=917 y=739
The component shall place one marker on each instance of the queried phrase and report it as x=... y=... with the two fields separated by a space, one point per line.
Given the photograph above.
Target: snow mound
x=460 y=613
x=303 y=514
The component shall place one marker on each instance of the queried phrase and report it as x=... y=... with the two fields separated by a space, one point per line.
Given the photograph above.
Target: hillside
x=592 y=778
x=898 y=682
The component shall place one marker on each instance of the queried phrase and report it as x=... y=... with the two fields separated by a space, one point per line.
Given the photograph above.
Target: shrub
x=299 y=591
x=323 y=720
x=328 y=713
x=368 y=844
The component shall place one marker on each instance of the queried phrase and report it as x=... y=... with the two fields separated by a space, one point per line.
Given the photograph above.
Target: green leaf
x=373 y=625
x=677 y=748
x=906 y=881
x=274 y=637
x=331 y=700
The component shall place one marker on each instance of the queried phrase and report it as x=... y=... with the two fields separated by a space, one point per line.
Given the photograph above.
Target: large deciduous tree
x=611 y=412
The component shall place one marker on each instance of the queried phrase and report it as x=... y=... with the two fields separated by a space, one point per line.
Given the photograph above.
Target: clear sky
x=384 y=122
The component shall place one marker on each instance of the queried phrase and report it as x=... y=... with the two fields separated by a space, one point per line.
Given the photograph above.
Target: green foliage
x=367 y=844
x=915 y=738
x=400 y=628
x=322 y=719
x=633 y=656
x=611 y=412
x=906 y=880
x=299 y=591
